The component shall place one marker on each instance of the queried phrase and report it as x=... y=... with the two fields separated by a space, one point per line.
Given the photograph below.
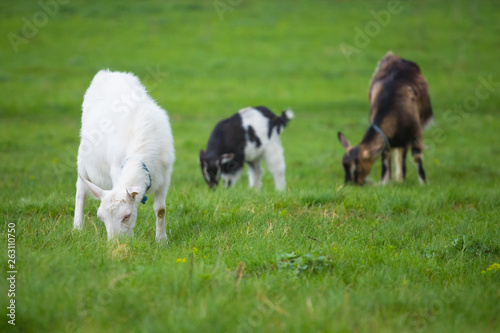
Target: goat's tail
x=285 y=117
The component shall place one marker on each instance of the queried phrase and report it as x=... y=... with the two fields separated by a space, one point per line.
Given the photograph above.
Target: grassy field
x=320 y=257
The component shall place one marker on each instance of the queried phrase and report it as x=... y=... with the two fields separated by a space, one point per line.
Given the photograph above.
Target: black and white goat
x=400 y=108
x=248 y=136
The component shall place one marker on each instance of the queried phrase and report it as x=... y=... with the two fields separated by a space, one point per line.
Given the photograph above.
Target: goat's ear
x=95 y=190
x=133 y=192
x=202 y=153
x=224 y=158
x=344 y=142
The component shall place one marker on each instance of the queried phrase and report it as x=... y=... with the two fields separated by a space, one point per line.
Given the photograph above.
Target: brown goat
x=400 y=108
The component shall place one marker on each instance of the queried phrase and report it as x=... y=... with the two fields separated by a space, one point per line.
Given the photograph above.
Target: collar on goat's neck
x=379 y=131
x=145 y=198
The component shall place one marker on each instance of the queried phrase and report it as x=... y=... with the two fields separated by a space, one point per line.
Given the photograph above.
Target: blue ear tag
x=143 y=201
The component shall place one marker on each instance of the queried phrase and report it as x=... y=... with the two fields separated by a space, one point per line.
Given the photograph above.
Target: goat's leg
x=386 y=166
x=275 y=161
x=79 y=204
x=416 y=152
x=398 y=176
x=160 y=210
x=405 y=151
x=255 y=174
x=401 y=164
x=230 y=179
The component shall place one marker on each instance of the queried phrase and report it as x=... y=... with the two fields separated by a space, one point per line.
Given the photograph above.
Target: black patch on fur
x=403 y=162
x=351 y=157
x=274 y=121
x=420 y=167
x=356 y=173
x=347 y=169
x=418 y=161
x=228 y=136
x=231 y=167
x=265 y=111
x=252 y=137
x=421 y=171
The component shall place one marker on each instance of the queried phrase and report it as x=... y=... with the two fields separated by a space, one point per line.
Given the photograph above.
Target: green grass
x=319 y=257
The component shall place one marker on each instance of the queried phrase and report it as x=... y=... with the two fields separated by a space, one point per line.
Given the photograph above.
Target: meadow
x=318 y=257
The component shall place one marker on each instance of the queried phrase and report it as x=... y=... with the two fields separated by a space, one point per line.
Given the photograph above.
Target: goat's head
x=357 y=161
x=118 y=211
x=211 y=167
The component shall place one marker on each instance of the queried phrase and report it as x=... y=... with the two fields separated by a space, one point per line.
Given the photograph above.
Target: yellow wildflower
x=181 y=260
x=494 y=267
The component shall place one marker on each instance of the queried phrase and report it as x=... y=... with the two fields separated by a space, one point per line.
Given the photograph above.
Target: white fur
x=289 y=113
x=399 y=164
x=122 y=128
x=270 y=150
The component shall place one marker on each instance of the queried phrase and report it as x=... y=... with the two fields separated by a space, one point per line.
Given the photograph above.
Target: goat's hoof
x=162 y=239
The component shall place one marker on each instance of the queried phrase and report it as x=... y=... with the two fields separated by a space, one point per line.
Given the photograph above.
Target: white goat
x=126 y=150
